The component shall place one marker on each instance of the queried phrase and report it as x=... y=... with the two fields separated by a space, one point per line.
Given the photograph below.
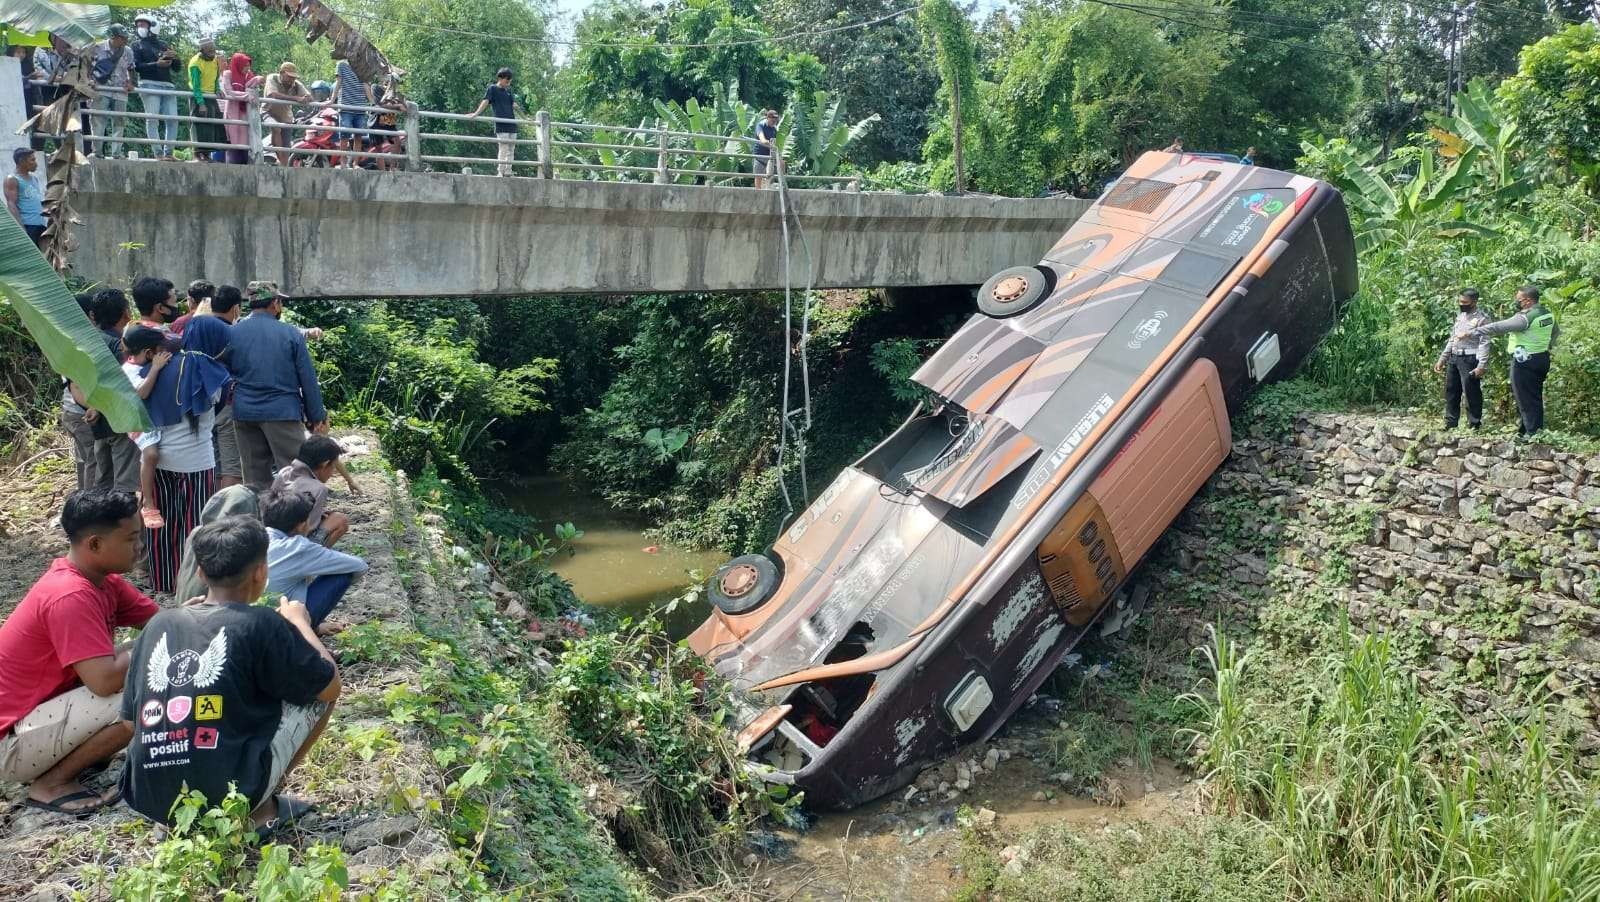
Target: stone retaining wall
x=1480 y=557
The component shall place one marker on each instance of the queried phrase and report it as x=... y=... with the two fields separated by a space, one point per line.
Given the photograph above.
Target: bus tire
x=1015 y=290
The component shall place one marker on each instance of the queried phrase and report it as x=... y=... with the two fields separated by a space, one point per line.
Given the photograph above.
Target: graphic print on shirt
x=166 y=670
x=208 y=707
x=187 y=666
x=178 y=708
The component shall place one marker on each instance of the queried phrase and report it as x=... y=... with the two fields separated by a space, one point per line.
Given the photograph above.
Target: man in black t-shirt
x=498 y=95
x=223 y=693
x=766 y=134
x=155 y=62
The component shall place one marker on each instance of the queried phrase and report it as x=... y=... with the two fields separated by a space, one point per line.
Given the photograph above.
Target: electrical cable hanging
x=787 y=426
x=784 y=423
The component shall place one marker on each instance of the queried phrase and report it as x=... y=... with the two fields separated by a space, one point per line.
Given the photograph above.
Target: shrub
x=208 y=854
x=645 y=710
x=419 y=380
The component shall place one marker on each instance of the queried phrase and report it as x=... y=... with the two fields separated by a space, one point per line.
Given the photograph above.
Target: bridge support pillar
x=546 y=168
x=413 y=138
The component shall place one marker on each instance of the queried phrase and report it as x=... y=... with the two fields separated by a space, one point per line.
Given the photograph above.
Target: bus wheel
x=743 y=583
x=1015 y=290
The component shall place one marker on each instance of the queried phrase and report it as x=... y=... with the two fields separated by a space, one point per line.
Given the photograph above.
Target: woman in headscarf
x=183 y=407
x=235 y=85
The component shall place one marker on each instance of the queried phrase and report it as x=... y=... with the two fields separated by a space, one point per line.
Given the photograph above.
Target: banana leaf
x=74 y=347
x=15 y=38
x=78 y=25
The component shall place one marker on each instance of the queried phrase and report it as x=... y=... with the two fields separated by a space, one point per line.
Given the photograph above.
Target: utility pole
x=1452 y=54
x=955 y=122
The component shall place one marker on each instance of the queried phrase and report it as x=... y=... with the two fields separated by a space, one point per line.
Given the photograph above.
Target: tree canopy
x=1056 y=94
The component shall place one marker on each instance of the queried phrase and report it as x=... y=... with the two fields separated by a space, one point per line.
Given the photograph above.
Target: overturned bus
x=931 y=588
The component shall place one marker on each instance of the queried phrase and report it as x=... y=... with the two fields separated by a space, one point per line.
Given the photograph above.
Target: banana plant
x=726 y=115
x=1478 y=125
x=813 y=138
x=1431 y=202
x=70 y=342
x=816 y=138
x=78 y=25
x=644 y=156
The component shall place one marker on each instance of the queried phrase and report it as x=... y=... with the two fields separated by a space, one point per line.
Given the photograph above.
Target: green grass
x=1327 y=774
x=1085 y=743
x=1371 y=790
x=1204 y=860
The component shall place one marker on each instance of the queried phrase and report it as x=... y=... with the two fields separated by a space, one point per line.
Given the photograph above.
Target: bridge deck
x=334 y=233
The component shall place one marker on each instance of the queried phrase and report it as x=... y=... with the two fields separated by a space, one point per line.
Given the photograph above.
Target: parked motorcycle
x=325 y=136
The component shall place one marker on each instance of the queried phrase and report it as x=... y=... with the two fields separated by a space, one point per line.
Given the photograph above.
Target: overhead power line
x=623 y=45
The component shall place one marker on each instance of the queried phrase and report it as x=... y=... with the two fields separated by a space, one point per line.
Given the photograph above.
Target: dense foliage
x=634 y=54
x=1556 y=96
x=1489 y=199
x=708 y=369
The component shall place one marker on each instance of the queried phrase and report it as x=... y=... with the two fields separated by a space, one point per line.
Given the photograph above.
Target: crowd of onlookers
x=218 y=87
x=222 y=501
x=223 y=87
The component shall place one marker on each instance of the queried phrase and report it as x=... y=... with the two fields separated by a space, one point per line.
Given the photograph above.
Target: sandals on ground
x=290 y=810
x=58 y=805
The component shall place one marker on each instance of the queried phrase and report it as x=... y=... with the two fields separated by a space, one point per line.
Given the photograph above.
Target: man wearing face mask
x=154 y=61
x=1463 y=361
x=1531 y=334
x=157 y=303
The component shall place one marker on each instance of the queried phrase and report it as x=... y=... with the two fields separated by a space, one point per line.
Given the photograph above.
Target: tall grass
x=1373 y=791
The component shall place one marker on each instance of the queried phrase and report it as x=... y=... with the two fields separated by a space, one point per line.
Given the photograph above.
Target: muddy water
x=894 y=848
x=898 y=848
x=614 y=565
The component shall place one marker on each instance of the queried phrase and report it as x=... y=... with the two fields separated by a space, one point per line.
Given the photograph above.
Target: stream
x=905 y=845
x=609 y=567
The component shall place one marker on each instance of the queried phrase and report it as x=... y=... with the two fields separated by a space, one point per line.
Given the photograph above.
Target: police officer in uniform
x=1532 y=333
x=1463 y=362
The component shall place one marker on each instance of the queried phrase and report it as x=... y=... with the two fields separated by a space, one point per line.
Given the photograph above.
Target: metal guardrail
x=663 y=156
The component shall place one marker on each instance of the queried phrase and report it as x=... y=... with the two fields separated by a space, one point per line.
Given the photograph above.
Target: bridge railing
x=417 y=141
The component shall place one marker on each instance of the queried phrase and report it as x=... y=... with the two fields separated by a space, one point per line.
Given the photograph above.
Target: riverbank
x=482 y=751
x=455 y=765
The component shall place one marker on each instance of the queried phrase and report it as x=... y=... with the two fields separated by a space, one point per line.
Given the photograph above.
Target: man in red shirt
x=61 y=675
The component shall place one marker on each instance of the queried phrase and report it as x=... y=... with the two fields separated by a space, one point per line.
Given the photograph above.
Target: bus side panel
x=1165 y=463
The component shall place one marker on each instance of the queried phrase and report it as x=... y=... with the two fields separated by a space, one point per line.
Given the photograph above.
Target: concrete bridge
x=334 y=233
